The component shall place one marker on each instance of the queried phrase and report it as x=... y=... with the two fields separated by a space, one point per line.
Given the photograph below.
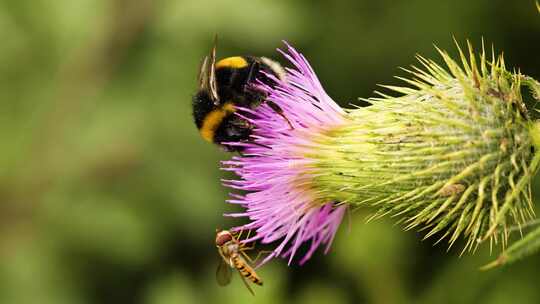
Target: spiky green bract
x=454 y=154
x=526 y=246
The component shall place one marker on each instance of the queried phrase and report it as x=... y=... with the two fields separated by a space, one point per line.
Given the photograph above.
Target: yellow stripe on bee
x=212 y=121
x=235 y=62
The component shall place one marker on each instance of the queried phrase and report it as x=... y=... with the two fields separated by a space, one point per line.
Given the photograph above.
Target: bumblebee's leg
x=254 y=68
x=261 y=145
x=279 y=111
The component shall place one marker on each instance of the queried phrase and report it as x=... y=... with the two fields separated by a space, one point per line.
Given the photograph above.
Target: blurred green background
x=109 y=195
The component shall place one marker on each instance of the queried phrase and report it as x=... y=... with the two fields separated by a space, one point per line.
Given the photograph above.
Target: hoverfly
x=233 y=255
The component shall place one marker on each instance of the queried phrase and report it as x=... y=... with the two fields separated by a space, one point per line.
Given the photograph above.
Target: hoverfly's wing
x=246 y=283
x=223 y=273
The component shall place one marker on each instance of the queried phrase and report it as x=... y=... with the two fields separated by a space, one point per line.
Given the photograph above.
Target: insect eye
x=222 y=239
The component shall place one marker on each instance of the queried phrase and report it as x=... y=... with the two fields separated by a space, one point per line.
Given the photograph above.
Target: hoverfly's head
x=222 y=237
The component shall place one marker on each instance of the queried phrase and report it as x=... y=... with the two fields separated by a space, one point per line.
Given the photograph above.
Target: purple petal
x=274 y=173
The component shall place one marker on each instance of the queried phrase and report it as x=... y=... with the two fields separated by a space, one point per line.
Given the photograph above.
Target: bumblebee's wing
x=223 y=273
x=246 y=283
x=203 y=74
x=212 y=85
x=207 y=76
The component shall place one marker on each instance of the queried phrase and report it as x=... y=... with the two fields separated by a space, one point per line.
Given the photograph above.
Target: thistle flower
x=276 y=168
x=453 y=155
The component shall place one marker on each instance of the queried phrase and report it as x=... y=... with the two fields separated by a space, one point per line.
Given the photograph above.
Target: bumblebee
x=225 y=85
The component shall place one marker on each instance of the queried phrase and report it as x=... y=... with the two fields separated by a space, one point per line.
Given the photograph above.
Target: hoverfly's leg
x=246 y=256
x=247 y=248
x=246 y=283
x=260 y=253
x=248 y=234
x=279 y=111
x=239 y=235
x=257 y=257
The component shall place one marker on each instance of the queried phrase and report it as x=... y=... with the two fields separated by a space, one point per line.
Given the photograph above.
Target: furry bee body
x=225 y=85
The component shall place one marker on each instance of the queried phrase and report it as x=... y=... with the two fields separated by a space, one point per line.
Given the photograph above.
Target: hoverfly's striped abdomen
x=245 y=270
